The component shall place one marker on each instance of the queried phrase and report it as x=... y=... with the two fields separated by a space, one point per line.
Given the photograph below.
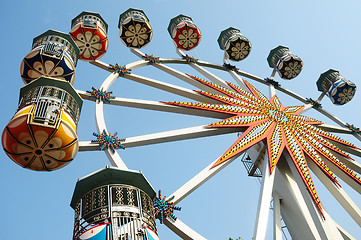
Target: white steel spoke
x=215 y=79
x=184 y=77
x=113 y=157
x=176 y=135
x=337 y=121
x=88 y=146
x=184 y=92
x=157 y=106
x=163 y=137
x=101 y=65
x=158 y=84
x=353 y=165
x=344 y=233
x=175 y=73
x=198 y=180
x=182 y=230
x=306 y=108
x=319 y=99
x=277 y=226
x=289 y=178
x=235 y=76
x=314 y=216
x=294 y=208
x=333 y=232
x=215 y=66
x=335 y=129
x=326 y=226
x=238 y=79
x=341 y=174
x=340 y=195
x=272 y=91
x=264 y=201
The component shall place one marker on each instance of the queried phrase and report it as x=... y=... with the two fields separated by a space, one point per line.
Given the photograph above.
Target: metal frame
x=282 y=186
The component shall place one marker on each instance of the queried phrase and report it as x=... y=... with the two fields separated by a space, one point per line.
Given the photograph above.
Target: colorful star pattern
x=353 y=128
x=100 y=95
x=314 y=103
x=230 y=67
x=190 y=59
x=164 y=208
x=121 y=70
x=107 y=140
x=281 y=128
x=151 y=59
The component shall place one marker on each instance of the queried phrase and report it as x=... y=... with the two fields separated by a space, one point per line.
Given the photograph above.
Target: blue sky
x=325 y=34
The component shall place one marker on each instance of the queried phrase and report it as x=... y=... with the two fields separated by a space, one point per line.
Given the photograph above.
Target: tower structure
x=114 y=204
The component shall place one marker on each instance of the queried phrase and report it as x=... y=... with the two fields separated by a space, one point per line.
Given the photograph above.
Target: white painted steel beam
x=180 y=91
x=264 y=201
x=238 y=79
x=163 y=137
x=293 y=190
x=113 y=157
x=180 y=75
x=277 y=226
x=198 y=180
x=157 y=106
x=347 y=149
x=162 y=85
x=294 y=210
x=331 y=227
x=324 y=226
x=216 y=66
x=306 y=108
x=339 y=194
x=272 y=91
x=175 y=73
x=182 y=230
x=337 y=121
x=176 y=135
x=235 y=76
x=345 y=235
x=347 y=179
x=352 y=164
x=215 y=79
x=334 y=129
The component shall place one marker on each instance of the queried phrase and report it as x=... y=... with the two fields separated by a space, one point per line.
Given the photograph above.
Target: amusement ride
x=277 y=143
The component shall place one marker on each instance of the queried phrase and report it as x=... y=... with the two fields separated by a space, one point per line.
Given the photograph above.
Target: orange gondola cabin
x=42 y=134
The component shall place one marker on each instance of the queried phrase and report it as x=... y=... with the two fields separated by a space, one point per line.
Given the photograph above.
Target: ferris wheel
x=277 y=142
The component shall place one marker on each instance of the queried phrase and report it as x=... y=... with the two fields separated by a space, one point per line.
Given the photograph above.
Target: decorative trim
x=353 y=128
x=121 y=70
x=272 y=82
x=106 y=140
x=190 y=59
x=230 y=67
x=281 y=127
x=314 y=103
x=100 y=95
x=164 y=208
x=151 y=59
